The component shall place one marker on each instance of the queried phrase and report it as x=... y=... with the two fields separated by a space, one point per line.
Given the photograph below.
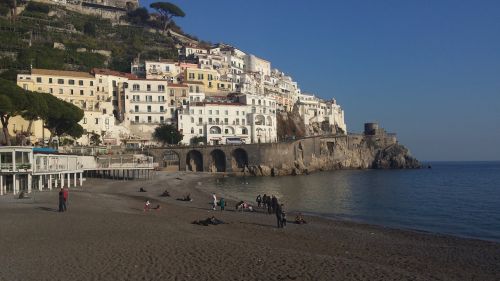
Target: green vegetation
x=29 y=40
x=198 y=140
x=60 y=117
x=167 y=11
x=167 y=134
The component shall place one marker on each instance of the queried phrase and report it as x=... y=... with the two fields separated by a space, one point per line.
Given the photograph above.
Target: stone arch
x=215 y=130
x=244 y=130
x=239 y=159
x=218 y=163
x=230 y=130
x=260 y=120
x=194 y=161
x=171 y=160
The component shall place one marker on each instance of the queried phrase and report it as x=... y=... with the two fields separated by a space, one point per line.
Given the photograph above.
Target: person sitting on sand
x=185 y=198
x=299 y=219
x=142 y=190
x=147 y=206
x=165 y=194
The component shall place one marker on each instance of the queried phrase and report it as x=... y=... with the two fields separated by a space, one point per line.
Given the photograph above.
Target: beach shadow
x=47 y=209
x=258 y=224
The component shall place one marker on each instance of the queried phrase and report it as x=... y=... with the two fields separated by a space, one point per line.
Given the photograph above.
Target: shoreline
x=105 y=235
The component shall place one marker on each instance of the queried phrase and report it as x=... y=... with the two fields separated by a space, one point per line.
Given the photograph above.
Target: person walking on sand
x=66 y=197
x=61 y=201
x=222 y=204
x=215 y=201
x=274 y=203
x=279 y=218
x=258 y=200
x=283 y=216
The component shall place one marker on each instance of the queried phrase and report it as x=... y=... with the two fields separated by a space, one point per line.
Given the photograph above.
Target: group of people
x=221 y=203
x=63 y=199
x=271 y=204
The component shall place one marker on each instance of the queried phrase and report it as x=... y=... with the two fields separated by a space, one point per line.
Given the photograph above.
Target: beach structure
x=28 y=168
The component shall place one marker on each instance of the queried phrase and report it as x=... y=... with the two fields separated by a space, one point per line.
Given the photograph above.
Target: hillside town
x=220 y=95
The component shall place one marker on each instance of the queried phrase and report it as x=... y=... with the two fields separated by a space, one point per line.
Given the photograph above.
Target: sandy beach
x=106 y=235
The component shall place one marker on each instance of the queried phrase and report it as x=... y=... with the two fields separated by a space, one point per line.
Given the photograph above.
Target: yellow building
x=210 y=79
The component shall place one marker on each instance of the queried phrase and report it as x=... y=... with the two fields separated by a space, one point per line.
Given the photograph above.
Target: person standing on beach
x=222 y=204
x=66 y=197
x=283 y=216
x=61 y=201
x=279 y=218
x=268 y=203
x=258 y=200
x=215 y=201
x=274 y=203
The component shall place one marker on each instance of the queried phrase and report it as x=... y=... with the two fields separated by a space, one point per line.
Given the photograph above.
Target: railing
x=151 y=101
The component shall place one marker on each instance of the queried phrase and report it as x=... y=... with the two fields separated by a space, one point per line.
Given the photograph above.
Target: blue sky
x=426 y=70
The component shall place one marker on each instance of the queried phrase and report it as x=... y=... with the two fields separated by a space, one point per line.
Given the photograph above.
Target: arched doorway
x=171 y=161
x=194 y=161
x=239 y=159
x=218 y=164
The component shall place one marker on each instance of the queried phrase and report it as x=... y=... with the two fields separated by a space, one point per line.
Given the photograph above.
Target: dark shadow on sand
x=47 y=209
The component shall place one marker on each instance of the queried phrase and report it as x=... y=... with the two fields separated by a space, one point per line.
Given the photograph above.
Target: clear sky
x=428 y=70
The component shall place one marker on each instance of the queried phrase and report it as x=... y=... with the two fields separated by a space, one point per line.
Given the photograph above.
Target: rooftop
x=103 y=71
x=65 y=73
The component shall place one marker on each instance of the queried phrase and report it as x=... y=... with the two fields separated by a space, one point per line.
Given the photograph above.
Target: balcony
x=148 y=102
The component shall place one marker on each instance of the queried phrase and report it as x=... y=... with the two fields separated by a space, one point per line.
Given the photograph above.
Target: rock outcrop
x=344 y=152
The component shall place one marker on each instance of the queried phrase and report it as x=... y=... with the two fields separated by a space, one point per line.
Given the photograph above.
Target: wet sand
x=106 y=235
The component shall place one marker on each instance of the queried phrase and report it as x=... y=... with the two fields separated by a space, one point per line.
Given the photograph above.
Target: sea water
x=457 y=198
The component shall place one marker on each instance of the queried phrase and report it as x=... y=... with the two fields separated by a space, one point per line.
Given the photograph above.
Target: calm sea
x=457 y=198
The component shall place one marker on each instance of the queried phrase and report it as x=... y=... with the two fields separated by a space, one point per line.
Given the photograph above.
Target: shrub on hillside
x=38 y=7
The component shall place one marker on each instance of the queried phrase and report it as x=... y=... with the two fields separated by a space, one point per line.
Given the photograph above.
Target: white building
x=246 y=118
x=316 y=110
x=147 y=105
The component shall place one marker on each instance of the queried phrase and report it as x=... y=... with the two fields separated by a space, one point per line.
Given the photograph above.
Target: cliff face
x=341 y=152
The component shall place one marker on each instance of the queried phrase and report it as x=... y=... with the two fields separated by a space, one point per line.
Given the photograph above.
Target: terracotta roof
x=103 y=71
x=65 y=73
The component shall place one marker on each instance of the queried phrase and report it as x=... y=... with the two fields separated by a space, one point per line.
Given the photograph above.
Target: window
x=71 y=91
x=200 y=131
x=81 y=92
x=161 y=88
x=183 y=93
x=80 y=82
x=91 y=83
x=96 y=121
x=226 y=131
x=150 y=119
x=172 y=111
x=100 y=81
x=171 y=102
x=114 y=93
x=149 y=108
x=161 y=98
x=39 y=79
x=50 y=80
x=136 y=87
x=167 y=68
x=191 y=76
x=217 y=112
x=200 y=76
x=162 y=109
x=148 y=88
x=71 y=82
x=162 y=119
x=91 y=92
x=253 y=101
x=114 y=83
x=226 y=121
x=136 y=98
x=104 y=111
x=172 y=92
x=136 y=108
x=200 y=120
x=210 y=120
x=226 y=112
x=61 y=91
x=210 y=112
x=197 y=89
x=200 y=111
x=237 y=112
x=192 y=130
x=60 y=81
x=192 y=120
x=149 y=98
x=51 y=90
x=137 y=119
x=106 y=121
x=242 y=121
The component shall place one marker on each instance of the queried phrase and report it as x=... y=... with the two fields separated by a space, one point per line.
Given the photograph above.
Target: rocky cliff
x=342 y=152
